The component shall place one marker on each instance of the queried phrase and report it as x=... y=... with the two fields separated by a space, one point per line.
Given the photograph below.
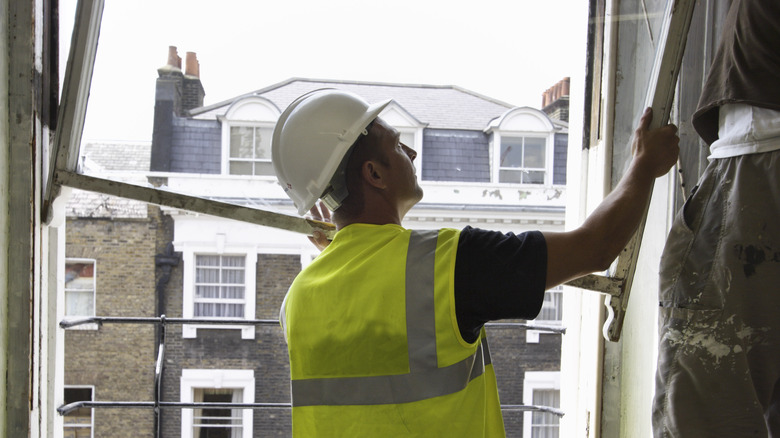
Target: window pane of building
x=78 y=423
x=533 y=153
x=80 y=288
x=544 y=424
x=241 y=168
x=241 y=142
x=264 y=168
x=263 y=143
x=511 y=152
x=217 y=422
x=532 y=176
x=220 y=286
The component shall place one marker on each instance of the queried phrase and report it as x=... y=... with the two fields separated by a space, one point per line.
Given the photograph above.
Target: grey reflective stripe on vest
x=424 y=380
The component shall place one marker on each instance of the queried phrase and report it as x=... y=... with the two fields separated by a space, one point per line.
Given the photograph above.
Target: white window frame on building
x=255 y=113
x=220 y=247
x=69 y=290
x=79 y=424
x=522 y=124
x=540 y=381
x=193 y=380
x=220 y=285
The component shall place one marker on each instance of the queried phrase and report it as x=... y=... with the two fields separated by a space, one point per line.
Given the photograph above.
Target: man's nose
x=409 y=151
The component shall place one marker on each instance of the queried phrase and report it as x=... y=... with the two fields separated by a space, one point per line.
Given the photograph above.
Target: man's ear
x=372 y=174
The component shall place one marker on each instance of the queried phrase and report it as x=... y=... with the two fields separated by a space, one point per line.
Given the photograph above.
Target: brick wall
x=224 y=348
x=117 y=359
x=512 y=356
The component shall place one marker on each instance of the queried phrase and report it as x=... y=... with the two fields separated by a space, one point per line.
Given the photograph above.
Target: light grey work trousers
x=719 y=353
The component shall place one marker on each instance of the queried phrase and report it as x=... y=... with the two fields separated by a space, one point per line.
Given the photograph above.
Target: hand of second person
x=657 y=149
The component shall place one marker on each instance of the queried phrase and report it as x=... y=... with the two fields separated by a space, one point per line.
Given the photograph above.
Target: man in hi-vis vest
x=385 y=328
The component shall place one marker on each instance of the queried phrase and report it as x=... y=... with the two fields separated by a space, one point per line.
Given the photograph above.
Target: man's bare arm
x=598 y=241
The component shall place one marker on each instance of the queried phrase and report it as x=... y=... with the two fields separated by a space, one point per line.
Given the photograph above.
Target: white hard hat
x=312 y=138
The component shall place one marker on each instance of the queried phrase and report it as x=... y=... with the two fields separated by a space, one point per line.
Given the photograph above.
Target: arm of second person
x=598 y=241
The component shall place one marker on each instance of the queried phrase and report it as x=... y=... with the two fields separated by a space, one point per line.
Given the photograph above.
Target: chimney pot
x=192 y=67
x=173 y=57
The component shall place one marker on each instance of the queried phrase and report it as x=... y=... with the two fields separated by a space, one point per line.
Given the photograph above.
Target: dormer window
x=527 y=147
x=250 y=150
x=522 y=160
x=247 y=128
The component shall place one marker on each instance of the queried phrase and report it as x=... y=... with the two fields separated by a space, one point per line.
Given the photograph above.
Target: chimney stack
x=176 y=93
x=555 y=100
x=192 y=93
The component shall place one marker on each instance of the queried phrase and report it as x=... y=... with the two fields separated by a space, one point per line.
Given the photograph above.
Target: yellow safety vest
x=374 y=345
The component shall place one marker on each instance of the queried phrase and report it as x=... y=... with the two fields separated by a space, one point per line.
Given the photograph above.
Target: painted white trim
x=252 y=111
x=217 y=378
x=189 y=250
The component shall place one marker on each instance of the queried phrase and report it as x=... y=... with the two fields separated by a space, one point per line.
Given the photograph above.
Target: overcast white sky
x=510 y=50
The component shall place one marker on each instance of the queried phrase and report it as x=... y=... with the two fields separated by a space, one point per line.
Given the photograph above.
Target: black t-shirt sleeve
x=498 y=276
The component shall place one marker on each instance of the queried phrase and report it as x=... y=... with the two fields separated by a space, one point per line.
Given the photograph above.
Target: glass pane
x=263 y=143
x=232 y=260
x=79 y=303
x=80 y=275
x=511 y=152
x=534 y=153
x=264 y=168
x=240 y=168
x=234 y=293
x=233 y=276
x=241 y=142
x=510 y=176
x=207 y=275
x=207 y=260
x=207 y=292
x=533 y=177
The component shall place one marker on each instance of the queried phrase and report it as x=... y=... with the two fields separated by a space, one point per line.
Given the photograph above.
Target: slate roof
x=123 y=158
x=438 y=106
x=129 y=157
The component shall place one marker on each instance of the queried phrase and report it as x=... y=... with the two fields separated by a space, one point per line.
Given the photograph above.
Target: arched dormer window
x=247 y=128
x=522 y=147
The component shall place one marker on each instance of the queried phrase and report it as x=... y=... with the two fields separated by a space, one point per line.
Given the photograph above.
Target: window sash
x=545 y=424
x=524 y=165
x=220 y=286
x=249 y=151
x=80 y=285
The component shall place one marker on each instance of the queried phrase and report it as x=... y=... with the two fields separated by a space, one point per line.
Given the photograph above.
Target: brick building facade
x=181 y=265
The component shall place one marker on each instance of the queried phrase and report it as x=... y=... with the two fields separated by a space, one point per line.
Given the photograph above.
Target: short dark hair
x=364 y=149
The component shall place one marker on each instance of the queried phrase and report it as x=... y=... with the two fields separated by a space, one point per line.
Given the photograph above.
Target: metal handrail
x=163 y=321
